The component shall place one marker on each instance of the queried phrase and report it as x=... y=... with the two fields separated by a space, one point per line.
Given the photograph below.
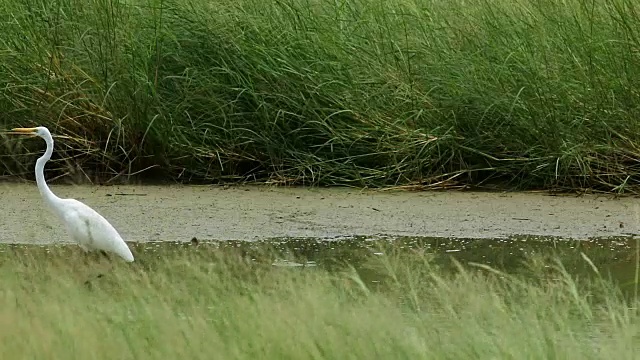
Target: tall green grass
x=526 y=93
x=204 y=302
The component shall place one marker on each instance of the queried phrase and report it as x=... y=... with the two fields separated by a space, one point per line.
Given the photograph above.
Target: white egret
x=89 y=229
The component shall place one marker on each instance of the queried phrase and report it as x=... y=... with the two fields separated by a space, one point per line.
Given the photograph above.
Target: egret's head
x=35 y=131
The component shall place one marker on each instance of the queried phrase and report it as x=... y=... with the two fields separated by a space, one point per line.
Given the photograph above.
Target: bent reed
x=201 y=302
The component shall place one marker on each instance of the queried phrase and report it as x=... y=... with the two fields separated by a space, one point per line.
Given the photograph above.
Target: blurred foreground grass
x=203 y=302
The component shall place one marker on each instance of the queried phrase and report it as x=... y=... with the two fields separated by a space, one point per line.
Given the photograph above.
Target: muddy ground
x=144 y=213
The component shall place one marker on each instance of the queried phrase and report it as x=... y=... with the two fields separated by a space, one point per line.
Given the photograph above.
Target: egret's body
x=85 y=226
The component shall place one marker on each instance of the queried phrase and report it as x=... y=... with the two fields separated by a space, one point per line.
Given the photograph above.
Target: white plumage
x=85 y=226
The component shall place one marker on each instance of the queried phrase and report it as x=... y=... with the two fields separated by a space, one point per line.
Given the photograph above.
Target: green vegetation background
x=518 y=94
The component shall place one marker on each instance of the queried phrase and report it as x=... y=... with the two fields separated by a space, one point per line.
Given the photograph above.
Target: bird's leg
x=96 y=256
x=86 y=260
x=85 y=252
x=106 y=255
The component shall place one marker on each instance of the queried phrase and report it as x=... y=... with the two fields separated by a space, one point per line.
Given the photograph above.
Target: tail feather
x=123 y=251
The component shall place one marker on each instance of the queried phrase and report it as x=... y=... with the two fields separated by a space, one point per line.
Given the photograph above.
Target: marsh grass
x=203 y=302
x=524 y=94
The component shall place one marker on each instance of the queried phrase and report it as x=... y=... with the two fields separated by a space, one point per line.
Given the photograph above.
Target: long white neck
x=49 y=197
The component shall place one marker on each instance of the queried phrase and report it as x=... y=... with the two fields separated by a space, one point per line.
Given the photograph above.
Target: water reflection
x=613 y=257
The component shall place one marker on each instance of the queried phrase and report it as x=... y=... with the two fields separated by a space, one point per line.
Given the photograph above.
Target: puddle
x=613 y=257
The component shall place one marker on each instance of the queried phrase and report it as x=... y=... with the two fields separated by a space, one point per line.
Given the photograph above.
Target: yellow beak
x=22 y=131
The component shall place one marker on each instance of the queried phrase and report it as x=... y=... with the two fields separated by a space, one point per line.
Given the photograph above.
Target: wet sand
x=156 y=213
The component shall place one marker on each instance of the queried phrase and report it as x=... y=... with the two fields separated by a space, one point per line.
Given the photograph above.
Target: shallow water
x=614 y=258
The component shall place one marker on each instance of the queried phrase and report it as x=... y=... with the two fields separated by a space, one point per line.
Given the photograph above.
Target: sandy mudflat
x=143 y=213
